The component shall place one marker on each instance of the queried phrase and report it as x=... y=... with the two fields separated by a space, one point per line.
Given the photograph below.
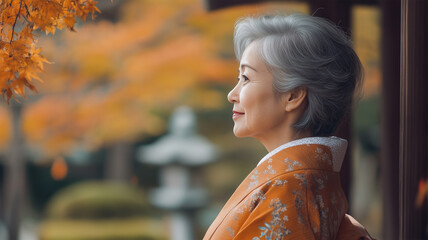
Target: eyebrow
x=248 y=66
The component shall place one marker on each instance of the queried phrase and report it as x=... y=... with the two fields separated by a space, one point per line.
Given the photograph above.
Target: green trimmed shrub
x=112 y=229
x=97 y=200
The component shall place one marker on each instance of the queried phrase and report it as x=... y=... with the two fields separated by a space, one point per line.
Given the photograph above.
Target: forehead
x=252 y=50
x=252 y=59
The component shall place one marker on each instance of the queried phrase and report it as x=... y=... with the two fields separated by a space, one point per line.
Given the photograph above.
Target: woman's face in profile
x=257 y=111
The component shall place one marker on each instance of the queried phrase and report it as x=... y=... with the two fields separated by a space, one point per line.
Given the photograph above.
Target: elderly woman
x=297 y=77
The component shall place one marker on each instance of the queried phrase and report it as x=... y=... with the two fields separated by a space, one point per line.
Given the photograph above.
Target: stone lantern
x=178 y=153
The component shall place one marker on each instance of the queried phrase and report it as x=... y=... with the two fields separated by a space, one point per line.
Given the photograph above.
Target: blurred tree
x=366 y=34
x=116 y=82
x=20 y=64
x=14 y=187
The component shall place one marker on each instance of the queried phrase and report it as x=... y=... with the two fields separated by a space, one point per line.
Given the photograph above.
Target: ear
x=295 y=99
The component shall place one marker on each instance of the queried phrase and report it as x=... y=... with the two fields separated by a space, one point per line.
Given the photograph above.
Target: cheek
x=261 y=109
x=254 y=105
x=251 y=95
x=245 y=98
x=255 y=100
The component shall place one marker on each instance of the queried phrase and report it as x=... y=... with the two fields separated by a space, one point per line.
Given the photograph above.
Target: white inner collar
x=337 y=146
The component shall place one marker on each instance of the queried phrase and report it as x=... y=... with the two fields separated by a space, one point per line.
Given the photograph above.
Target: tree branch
x=26 y=8
x=28 y=12
x=16 y=19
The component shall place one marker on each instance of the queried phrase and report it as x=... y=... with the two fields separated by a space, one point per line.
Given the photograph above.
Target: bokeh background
x=112 y=87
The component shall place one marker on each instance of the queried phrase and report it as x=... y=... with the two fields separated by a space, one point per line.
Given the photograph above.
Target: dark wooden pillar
x=339 y=12
x=413 y=116
x=217 y=4
x=390 y=115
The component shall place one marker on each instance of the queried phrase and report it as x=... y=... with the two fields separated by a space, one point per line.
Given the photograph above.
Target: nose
x=233 y=95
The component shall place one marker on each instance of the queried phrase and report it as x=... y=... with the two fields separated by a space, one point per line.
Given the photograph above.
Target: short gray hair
x=310 y=52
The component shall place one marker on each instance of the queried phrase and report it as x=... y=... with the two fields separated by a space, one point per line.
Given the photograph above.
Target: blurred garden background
x=111 y=89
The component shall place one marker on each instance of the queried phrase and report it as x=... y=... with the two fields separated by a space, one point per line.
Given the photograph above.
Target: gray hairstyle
x=310 y=52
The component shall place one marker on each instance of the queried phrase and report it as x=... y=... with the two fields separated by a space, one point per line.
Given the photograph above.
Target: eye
x=245 y=78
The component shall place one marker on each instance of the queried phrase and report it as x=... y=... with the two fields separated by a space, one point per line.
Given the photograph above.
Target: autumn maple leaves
x=20 y=59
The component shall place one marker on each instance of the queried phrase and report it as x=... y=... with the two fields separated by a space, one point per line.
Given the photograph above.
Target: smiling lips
x=237 y=114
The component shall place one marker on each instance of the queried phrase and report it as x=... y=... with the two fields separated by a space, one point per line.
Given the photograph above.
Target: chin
x=238 y=136
x=238 y=133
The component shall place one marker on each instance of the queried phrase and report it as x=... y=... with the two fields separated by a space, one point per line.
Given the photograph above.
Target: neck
x=277 y=139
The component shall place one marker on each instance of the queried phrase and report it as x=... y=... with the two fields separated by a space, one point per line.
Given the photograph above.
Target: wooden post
x=413 y=116
x=390 y=50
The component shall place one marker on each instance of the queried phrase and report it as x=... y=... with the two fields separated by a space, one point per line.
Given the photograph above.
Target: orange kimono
x=294 y=193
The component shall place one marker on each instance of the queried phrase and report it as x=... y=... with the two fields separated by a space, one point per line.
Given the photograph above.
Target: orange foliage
x=422 y=192
x=20 y=59
x=5 y=123
x=366 y=36
x=59 y=169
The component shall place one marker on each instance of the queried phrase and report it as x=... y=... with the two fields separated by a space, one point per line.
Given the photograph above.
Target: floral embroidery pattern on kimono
x=275 y=229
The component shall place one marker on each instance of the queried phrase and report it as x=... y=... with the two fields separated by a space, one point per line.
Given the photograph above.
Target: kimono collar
x=337 y=146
